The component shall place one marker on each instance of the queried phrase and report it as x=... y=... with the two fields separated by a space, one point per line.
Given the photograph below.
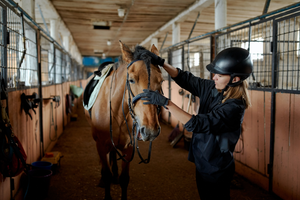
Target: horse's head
x=141 y=74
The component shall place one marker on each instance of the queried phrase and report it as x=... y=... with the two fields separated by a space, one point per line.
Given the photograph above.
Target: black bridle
x=133 y=136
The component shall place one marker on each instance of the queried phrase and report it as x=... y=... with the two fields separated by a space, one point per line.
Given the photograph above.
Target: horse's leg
x=124 y=177
x=106 y=176
x=114 y=166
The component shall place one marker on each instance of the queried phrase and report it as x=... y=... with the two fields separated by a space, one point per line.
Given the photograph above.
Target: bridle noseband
x=131 y=104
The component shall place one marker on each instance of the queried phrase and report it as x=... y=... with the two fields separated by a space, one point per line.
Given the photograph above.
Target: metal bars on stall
x=273 y=40
x=288 y=45
x=3 y=44
x=18 y=47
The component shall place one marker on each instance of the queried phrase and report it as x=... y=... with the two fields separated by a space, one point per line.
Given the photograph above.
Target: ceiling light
x=121 y=12
x=108 y=42
x=96 y=51
x=100 y=24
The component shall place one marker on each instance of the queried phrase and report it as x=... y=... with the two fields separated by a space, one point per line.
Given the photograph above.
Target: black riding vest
x=216 y=128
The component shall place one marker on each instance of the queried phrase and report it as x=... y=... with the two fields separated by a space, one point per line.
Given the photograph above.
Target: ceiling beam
x=50 y=13
x=197 y=6
x=266 y=7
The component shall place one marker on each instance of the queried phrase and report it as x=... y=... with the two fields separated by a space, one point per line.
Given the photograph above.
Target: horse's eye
x=132 y=81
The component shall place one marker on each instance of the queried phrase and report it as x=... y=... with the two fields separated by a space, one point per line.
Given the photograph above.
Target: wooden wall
x=286 y=180
x=252 y=164
x=28 y=130
x=254 y=144
x=177 y=99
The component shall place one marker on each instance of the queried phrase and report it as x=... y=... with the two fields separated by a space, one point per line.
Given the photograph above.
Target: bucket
x=39 y=182
x=41 y=165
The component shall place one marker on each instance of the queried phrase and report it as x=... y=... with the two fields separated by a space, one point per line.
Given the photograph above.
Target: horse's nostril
x=142 y=130
x=158 y=131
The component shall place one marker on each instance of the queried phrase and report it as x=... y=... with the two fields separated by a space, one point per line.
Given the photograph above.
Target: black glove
x=154 y=98
x=155 y=60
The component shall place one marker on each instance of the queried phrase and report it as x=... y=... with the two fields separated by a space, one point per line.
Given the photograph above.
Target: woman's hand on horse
x=154 y=97
x=155 y=60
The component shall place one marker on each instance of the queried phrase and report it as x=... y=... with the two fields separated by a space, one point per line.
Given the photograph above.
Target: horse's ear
x=126 y=53
x=154 y=50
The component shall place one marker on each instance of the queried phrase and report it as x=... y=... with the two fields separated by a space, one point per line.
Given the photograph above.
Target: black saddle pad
x=92 y=83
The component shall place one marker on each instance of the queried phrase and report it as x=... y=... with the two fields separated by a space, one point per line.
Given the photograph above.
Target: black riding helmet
x=233 y=61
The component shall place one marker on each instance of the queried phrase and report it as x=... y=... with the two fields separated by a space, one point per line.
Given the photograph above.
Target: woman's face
x=221 y=80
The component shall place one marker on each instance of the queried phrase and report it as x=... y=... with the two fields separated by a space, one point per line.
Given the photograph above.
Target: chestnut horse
x=118 y=108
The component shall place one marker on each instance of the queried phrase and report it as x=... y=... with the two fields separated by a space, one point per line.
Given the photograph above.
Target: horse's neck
x=119 y=82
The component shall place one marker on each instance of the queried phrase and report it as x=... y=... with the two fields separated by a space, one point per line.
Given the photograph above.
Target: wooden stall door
x=286 y=177
x=252 y=150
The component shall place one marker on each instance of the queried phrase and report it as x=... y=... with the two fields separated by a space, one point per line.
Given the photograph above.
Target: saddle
x=92 y=83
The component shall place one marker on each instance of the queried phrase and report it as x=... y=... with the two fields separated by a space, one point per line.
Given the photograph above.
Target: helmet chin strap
x=231 y=84
x=224 y=90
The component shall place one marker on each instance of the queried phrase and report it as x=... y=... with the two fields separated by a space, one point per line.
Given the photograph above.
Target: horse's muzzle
x=149 y=134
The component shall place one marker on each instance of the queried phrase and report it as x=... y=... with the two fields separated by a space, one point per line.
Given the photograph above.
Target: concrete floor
x=169 y=175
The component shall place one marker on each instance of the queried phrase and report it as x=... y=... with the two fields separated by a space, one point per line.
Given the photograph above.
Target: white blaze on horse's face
x=145 y=115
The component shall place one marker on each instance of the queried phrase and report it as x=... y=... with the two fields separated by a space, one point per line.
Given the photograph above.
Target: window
x=256 y=48
x=196 y=59
x=298 y=41
x=177 y=59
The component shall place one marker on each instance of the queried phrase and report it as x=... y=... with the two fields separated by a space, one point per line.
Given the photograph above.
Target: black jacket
x=216 y=128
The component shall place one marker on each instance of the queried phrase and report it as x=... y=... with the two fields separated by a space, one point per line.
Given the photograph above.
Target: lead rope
x=133 y=139
x=145 y=161
x=125 y=115
x=132 y=142
x=110 y=124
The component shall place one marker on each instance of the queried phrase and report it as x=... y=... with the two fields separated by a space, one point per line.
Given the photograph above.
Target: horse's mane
x=138 y=54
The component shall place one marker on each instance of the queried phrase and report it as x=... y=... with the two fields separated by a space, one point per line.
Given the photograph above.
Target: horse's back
x=98 y=115
x=88 y=113
x=103 y=113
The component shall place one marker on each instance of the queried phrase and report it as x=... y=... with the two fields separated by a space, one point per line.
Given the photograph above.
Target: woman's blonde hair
x=239 y=92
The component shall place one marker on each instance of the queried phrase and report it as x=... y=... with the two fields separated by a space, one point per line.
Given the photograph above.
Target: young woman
x=217 y=126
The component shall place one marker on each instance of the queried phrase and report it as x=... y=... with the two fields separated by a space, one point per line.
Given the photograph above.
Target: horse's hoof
x=101 y=183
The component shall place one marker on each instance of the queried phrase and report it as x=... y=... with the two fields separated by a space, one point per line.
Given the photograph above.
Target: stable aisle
x=169 y=175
